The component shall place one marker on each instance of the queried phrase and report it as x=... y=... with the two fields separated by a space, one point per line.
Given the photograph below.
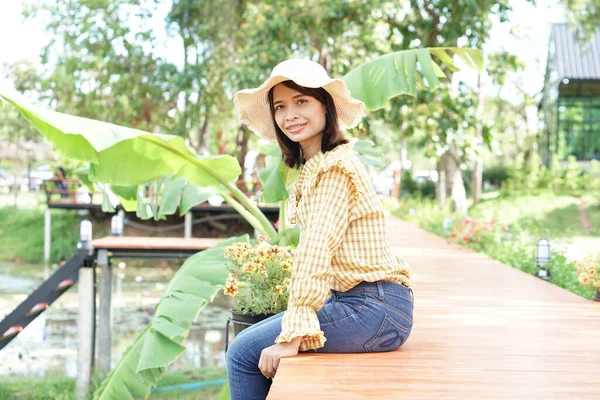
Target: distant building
x=571 y=99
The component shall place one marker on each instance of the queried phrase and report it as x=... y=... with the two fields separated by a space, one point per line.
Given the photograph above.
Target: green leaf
x=107 y=206
x=426 y=63
x=194 y=195
x=171 y=195
x=287 y=237
x=170 y=329
x=125 y=156
x=127 y=196
x=163 y=351
x=122 y=382
x=270 y=149
x=399 y=73
x=367 y=154
x=273 y=180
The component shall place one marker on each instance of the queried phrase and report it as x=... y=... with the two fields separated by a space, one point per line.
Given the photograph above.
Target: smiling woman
x=348 y=293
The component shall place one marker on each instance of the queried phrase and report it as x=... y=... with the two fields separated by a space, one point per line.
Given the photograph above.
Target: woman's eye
x=278 y=107
x=301 y=101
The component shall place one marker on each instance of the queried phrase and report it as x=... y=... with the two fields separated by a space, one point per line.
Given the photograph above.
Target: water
x=49 y=344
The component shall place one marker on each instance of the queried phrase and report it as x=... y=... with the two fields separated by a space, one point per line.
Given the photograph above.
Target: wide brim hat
x=253 y=107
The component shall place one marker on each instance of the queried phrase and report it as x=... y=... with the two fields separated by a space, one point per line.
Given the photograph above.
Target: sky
x=532 y=25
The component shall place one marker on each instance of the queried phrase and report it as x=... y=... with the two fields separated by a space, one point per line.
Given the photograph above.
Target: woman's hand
x=270 y=356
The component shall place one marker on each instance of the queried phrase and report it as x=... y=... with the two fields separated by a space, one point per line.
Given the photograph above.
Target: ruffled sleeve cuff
x=302 y=321
x=310 y=340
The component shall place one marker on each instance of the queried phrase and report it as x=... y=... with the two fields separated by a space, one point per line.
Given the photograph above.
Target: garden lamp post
x=447 y=224
x=542 y=257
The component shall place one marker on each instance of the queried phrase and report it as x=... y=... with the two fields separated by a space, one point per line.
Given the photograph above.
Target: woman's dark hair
x=332 y=137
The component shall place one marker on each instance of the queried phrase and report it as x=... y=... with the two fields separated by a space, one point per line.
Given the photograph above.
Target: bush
x=495 y=176
x=411 y=187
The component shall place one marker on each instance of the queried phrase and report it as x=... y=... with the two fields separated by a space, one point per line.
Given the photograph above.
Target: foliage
x=393 y=74
x=22 y=235
x=585 y=14
x=59 y=388
x=266 y=271
x=588 y=271
x=477 y=234
x=570 y=178
x=495 y=175
x=106 y=68
x=424 y=189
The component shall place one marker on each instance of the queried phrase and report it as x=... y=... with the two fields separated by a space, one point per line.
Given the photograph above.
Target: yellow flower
x=278 y=289
x=286 y=282
x=231 y=287
x=286 y=266
x=584 y=279
x=591 y=270
x=249 y=268
x=262 y=269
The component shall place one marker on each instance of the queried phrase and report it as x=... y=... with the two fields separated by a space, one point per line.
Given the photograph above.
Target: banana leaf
x=124 y=156
x=162 y=342
x=398 y=73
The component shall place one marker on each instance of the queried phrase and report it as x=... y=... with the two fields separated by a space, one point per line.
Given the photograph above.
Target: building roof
x=575 y=59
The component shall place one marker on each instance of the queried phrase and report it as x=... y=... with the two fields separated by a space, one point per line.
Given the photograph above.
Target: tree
x=584 y=14
x=101 y=63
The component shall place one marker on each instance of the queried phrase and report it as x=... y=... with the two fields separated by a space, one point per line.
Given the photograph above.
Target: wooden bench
x=483 y=330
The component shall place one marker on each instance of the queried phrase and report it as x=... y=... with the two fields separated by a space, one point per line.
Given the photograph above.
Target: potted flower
x=588 y=273
x=258 y=277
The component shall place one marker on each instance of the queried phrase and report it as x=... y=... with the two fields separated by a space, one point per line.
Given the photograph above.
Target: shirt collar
x=312 y=162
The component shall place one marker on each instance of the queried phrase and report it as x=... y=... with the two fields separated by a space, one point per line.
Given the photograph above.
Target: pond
x=49 y=344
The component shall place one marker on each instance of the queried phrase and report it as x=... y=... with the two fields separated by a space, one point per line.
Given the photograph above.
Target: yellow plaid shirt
x=342 y=240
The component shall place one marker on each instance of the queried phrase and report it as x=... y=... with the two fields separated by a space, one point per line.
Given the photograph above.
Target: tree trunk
x=203 y=138
x=449 y=166
x=241 y=153
x=325 y=58
x=477 y=173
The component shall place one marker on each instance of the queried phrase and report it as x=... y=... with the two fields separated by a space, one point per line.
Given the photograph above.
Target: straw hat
x=253 y=108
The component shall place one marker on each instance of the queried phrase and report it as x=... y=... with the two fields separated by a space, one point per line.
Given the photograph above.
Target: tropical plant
x=125 y=157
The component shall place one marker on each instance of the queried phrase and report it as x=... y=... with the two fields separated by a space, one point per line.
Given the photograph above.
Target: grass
x=22 y=234
x=63 y=388
x=553 y=215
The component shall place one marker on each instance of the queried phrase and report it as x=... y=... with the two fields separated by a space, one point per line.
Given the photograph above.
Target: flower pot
x=242 y=320
x=597 y=296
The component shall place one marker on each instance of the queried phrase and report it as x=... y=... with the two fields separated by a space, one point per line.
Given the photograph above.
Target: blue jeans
x=371 y=317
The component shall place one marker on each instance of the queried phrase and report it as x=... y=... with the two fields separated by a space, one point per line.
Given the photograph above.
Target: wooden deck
x=154 y=243
x=153 y=247
x=482 y=330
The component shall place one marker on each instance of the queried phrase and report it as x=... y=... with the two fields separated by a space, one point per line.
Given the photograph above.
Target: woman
x=348 y=292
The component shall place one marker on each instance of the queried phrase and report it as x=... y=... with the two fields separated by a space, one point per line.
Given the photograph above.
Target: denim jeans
x=371 y=317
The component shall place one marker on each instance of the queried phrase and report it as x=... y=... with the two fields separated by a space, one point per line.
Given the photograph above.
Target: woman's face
x=300 y=117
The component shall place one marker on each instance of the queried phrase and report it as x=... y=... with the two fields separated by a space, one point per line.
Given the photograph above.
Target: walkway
x=483 y=330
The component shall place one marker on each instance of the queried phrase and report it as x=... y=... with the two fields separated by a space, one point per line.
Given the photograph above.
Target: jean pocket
x=391 y=336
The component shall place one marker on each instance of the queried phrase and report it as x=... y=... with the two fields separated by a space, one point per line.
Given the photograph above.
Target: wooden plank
x=483 y=330
x=154 y=243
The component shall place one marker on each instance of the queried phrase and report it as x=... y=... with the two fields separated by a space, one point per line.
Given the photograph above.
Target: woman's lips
x=296 y=128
